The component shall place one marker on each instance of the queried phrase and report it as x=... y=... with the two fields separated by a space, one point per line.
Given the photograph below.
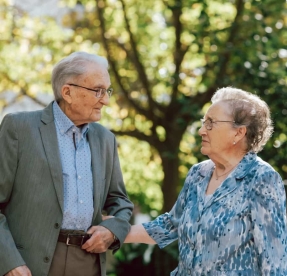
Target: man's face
x=83 y=106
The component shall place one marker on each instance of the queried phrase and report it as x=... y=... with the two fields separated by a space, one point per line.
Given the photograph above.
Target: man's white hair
x=72 y=66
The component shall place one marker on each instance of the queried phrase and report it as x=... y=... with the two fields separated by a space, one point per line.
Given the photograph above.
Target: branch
x=137 y=62
x=131 y=57
x=113 y=64
x=24 y=93
x=231 y=38
x=203 y=98
x=152 y=140
x=123 y=47
x=6 y=104
x=179 y=52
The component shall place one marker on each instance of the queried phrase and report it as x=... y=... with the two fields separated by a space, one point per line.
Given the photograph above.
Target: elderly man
x=58 y=172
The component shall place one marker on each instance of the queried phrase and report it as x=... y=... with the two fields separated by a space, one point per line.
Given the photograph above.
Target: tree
x=169 y=57
x=28 y=48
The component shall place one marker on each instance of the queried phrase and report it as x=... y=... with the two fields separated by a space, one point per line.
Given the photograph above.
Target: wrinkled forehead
x=96 y=68
x=220 y=110
x=97 y=74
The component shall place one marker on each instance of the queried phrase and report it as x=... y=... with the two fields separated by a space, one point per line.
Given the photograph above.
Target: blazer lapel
x=97 y=167
x=50 y=143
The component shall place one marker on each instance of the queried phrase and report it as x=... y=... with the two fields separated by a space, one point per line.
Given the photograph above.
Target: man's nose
x=106 y=99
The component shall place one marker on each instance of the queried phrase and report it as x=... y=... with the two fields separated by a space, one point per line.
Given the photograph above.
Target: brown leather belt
x=73 y=237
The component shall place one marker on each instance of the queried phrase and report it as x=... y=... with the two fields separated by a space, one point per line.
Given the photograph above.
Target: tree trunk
x=170 y=164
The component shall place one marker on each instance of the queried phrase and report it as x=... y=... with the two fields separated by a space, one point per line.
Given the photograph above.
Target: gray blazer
x=31 y=189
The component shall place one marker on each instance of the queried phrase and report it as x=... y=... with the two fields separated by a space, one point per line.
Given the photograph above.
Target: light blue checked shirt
x=75 y=157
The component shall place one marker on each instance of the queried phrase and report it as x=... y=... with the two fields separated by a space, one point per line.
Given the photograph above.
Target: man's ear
x=66 y=93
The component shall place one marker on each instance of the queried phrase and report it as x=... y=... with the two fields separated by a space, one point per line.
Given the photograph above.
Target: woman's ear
x=240 y=134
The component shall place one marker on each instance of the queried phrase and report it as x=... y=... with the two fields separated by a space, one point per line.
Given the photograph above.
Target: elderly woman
x=230 y=217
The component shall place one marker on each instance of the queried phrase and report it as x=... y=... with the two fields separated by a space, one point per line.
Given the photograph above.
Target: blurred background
x=167 y=58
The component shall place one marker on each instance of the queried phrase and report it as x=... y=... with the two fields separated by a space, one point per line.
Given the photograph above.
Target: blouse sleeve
x=268 y=212
x=164 y=229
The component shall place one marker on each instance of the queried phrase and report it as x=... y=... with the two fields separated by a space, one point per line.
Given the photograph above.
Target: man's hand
x=106 y=217
x=100 y=240
x=20 y=271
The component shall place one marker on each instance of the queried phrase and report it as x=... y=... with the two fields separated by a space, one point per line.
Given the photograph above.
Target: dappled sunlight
x=142 y=173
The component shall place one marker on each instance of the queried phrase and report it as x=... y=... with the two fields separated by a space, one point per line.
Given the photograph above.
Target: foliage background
x=167 y=58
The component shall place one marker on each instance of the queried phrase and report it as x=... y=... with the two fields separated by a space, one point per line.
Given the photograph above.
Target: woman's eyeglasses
x=208 y=123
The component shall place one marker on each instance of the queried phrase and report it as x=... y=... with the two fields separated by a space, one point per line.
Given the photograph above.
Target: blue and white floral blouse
x=240 y=231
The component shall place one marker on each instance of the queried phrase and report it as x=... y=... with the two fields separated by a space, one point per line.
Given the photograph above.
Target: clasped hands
x=100 y=240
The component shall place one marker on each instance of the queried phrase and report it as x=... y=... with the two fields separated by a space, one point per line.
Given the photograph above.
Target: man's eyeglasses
x=208 y=123
x=100 y=92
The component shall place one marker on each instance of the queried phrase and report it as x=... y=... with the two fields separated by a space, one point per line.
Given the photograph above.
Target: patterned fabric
x=240 y=231
x=77 y=173
x=207 y=198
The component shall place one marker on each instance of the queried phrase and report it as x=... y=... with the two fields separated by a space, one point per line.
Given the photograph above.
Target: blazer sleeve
x=268 y=212
x=9 y=255
x=117 y=203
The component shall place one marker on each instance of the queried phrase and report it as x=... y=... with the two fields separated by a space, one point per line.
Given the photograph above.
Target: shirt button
x=46 y=259
x=81 y=201
x=78 y=226
x=192 y=246
x=79 y=177
x=56 y=225
x=188 y=271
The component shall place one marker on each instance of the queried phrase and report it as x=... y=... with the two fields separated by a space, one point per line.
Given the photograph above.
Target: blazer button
x=57 y=225
x=46 y=259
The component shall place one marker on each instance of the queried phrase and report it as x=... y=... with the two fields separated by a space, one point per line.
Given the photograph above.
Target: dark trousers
x=73 y=261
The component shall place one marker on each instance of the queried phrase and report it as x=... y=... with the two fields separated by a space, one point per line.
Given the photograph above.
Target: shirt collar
x=241 y=170
x=65 y=124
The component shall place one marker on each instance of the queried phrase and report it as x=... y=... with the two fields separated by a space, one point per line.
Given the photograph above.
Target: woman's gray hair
x=72 y=66
x=249 y=110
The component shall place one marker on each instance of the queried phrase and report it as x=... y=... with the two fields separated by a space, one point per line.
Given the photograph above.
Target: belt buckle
x=83 y=236
x=68 y=239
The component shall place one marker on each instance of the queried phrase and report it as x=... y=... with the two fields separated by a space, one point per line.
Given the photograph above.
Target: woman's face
x=219 y=140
